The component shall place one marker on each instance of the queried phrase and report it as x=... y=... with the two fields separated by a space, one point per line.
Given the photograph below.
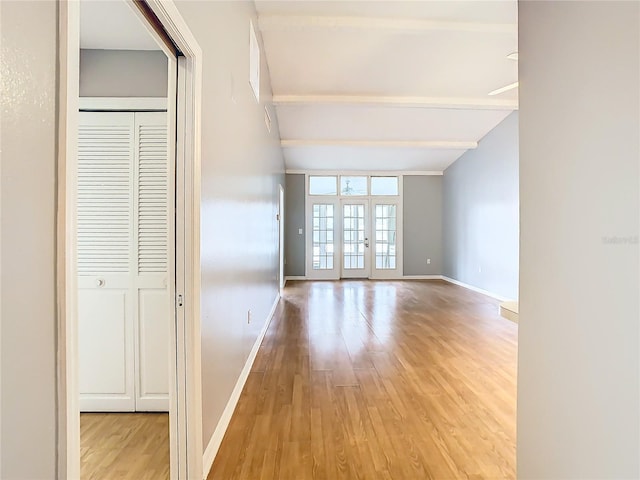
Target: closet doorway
x=125 y=252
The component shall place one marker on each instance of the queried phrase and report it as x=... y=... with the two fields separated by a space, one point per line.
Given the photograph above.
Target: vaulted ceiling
x=387 y=85
x=369 y=85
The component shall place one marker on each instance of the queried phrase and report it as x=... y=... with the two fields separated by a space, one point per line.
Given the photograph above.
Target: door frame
x=280 y=238
x=365 y=272
x=337 y=199
x=184 y=118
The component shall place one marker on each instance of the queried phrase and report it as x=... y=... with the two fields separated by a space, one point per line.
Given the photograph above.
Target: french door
x=354 y=238
x=355 y=230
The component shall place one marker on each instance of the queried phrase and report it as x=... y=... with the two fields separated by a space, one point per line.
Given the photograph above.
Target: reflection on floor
x=378 y=380
x=124 y=446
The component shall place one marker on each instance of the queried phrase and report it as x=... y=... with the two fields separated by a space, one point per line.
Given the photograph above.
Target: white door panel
x=105 y=354
x=123 y=208
x=153 y=351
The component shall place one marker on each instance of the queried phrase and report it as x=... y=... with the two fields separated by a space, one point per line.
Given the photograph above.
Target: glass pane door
x=355 y=239
x=386 y=241
x=323 y=261
x=385 y=248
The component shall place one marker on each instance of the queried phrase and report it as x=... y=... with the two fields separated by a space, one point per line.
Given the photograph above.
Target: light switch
x=299 y=231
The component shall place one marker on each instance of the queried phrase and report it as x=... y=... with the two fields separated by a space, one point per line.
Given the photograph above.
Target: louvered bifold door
x=105 y=260
x=151 y=230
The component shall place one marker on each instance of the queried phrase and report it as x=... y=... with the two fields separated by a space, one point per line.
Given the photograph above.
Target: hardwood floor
x=124 y=446
x=378 y=380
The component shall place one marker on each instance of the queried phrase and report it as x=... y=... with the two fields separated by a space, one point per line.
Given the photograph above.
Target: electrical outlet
x=299 y=231
x=248 y=316
x=428 y=261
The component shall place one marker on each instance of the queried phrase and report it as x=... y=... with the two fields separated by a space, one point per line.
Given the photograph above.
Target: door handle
x=366 y=242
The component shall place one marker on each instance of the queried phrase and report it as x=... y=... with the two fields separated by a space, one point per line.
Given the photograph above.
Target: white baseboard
x=294 y=277
x=422 y=277
x=475 y=289
x=216 y=439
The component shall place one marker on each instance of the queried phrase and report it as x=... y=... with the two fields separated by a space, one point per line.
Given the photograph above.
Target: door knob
x=100 y=282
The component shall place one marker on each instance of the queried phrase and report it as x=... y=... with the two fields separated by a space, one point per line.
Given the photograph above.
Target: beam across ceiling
x=446 y=145
x=397 y=101
x=399 y=25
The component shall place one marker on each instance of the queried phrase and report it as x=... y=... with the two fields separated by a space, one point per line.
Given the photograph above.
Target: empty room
x=375 y=240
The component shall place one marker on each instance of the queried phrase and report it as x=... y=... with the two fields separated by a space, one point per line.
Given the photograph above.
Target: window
x=384 y=185
x=323 y=185
x=385 y=237
x=322 y=236
x=353 y=233
x=351 y=186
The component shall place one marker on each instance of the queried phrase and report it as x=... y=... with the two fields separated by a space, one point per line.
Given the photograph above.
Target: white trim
x=422 y=277
x=373 y=173
x=399 y=25
x=68 y=411
x=475 y=289
x=295 y=277
x=123 y=103
x=509 y=310
x=435 y=144
x=455 y=103
x=216 y=439
x=189 y=144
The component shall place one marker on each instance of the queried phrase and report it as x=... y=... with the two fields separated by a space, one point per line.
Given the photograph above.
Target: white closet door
x=105 y=304
x=151 y=230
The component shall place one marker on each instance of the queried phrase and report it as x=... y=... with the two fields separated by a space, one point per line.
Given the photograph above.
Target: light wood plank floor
x=378 y=380
x=131 y=446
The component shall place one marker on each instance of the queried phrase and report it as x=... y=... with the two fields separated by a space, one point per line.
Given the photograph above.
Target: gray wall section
x=123 y=73
x=294 y=243
x=242 y=166
x=422 y=224
x=481 y=219
x=578 y=348
x=28 y=36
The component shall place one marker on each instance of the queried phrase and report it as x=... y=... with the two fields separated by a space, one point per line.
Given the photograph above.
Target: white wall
x=578 y=375
x=481 y=223
x=27 y=226
x=242 y=165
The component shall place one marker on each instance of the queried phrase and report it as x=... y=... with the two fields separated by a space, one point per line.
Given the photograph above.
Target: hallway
x=365 y=379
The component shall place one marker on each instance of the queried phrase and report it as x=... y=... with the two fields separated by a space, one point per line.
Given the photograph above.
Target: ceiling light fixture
x=504 y=89
x=513 y=56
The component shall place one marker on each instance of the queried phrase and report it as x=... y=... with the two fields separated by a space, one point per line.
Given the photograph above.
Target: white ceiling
x=112 y=25
x=391 y=85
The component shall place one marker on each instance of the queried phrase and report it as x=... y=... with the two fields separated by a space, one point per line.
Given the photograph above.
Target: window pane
x=385 y=235
x=323 y=185
x=384 y=185
x=353 y=185
x=353 y=237
x=322 y=237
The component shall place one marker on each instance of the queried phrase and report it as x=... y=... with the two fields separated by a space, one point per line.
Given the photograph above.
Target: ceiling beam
x=441 y=145
x=398 y=25
x=489 y=103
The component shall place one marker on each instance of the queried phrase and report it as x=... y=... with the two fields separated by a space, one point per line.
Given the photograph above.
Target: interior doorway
x=281 y=237
x=167 y=235
x=124 y=248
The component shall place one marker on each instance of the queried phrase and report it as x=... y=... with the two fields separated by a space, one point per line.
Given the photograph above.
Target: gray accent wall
x=422 y=224
x=579 y=330
x=294 y=242
x=123 y=73
x=242 y=167
x=28 y=117
x=481 y=219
